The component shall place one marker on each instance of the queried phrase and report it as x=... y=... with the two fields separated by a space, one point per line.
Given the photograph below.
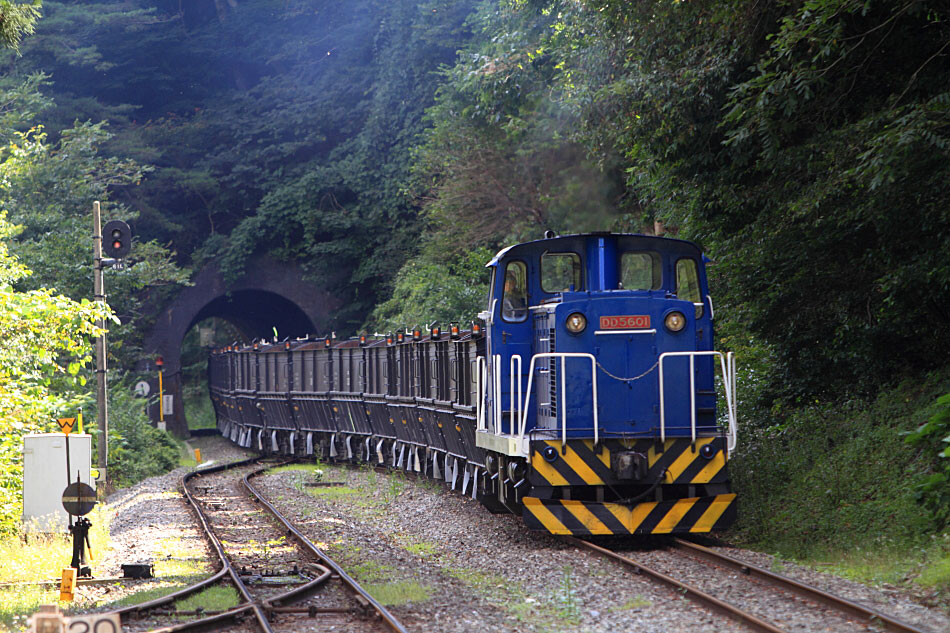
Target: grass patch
x=19 y=603
x=317 y=470
x=422 y=549
x=175 y=556
x=551 y=613
x=936 y=574
x=37 y=557
x=371 y=571
x=476 y=579
x=333 y=492
x=393 y=594
x=210 y=599
x=186 y=457
x=632 y=604
x=151 y=593
x=265 y=549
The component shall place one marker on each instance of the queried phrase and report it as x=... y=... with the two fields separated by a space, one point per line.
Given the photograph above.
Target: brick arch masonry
x=271 y=294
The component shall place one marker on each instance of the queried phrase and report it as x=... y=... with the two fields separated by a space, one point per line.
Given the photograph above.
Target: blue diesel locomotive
x=587 y=402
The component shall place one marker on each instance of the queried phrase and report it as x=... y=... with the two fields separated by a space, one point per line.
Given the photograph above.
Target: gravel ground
x=477 y=570
x=447 y=564
x=151 y=522
x=785 y=610
x=886 y=599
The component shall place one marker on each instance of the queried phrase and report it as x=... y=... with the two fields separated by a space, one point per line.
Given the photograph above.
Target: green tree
x=500 y=162
x=17 y=20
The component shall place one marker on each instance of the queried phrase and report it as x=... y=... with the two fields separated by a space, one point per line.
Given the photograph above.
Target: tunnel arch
x=257 y=313
x=272 y=294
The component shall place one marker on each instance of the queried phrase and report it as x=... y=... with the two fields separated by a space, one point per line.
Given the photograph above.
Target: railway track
x=828 y=608
x=284 y=582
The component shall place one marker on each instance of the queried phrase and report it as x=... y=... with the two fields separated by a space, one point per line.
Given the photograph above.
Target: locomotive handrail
x=514 y=377
x=727 y=363
x=480 y=388
x=562 y=392
x=496 y=394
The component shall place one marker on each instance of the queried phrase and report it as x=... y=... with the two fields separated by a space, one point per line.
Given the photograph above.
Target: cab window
x=561 y=272
x=514 y=299
x=687 y=284
x=640 y=271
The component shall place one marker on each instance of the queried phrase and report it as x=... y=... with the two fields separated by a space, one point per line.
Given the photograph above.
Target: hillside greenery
x=390 y=146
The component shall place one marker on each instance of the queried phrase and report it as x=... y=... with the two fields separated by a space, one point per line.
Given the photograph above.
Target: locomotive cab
x=599 y=386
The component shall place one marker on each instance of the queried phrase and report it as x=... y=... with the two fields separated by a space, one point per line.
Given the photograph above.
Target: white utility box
x=45 y=478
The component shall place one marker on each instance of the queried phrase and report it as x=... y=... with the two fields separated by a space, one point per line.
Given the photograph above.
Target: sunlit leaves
x=16 y=20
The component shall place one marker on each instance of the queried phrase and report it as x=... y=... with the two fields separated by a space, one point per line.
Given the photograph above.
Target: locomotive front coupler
x=629 y=465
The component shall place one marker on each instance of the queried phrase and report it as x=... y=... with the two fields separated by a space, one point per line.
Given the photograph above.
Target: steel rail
x=872 y=616
x=198 y=586
x=219 y=548
x=216 y=621
x=685 y=590
x=383 y=612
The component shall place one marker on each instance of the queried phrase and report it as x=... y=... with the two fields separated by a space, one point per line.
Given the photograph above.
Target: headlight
x=576 y=322
x=674 y=321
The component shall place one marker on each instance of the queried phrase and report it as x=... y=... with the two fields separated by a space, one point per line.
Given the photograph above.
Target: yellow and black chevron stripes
x=578 y=464
x=587 y=518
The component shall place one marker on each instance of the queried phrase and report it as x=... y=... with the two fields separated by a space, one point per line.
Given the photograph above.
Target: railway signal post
x=117 y=246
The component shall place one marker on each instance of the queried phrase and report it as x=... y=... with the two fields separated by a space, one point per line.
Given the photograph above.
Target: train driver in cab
x=514 y=302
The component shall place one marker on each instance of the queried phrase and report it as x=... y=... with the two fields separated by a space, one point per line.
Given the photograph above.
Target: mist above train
x=587 y=402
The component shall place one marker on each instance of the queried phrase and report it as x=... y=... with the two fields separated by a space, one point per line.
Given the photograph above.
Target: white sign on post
x=167 y=404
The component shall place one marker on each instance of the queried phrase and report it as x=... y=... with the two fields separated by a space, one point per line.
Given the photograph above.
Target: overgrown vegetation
x=40 y=557
x=837 y=483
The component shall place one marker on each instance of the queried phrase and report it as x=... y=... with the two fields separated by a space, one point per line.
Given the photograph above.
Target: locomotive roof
x=566 y=238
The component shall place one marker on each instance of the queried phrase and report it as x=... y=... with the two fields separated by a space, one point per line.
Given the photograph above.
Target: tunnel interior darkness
x=255 y=313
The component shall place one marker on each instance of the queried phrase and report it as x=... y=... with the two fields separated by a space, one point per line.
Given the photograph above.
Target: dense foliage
x=271 y=125
x=838 y=477
x=794 y=140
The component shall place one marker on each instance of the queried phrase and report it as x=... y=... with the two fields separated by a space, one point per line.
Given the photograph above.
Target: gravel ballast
x=444 y=563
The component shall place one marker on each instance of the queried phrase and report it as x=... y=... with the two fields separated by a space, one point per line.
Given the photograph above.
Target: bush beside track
x=837 y=484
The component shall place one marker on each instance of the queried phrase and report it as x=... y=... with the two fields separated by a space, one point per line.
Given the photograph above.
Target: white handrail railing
x=480 y=380
x=563 y=391
x=727 y=364
x=514 y=377
x=496 y=399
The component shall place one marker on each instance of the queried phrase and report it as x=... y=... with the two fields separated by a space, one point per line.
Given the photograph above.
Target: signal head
x=116 y=239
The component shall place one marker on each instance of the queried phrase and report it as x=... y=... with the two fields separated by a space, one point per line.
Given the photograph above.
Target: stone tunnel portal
x=272 y=295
